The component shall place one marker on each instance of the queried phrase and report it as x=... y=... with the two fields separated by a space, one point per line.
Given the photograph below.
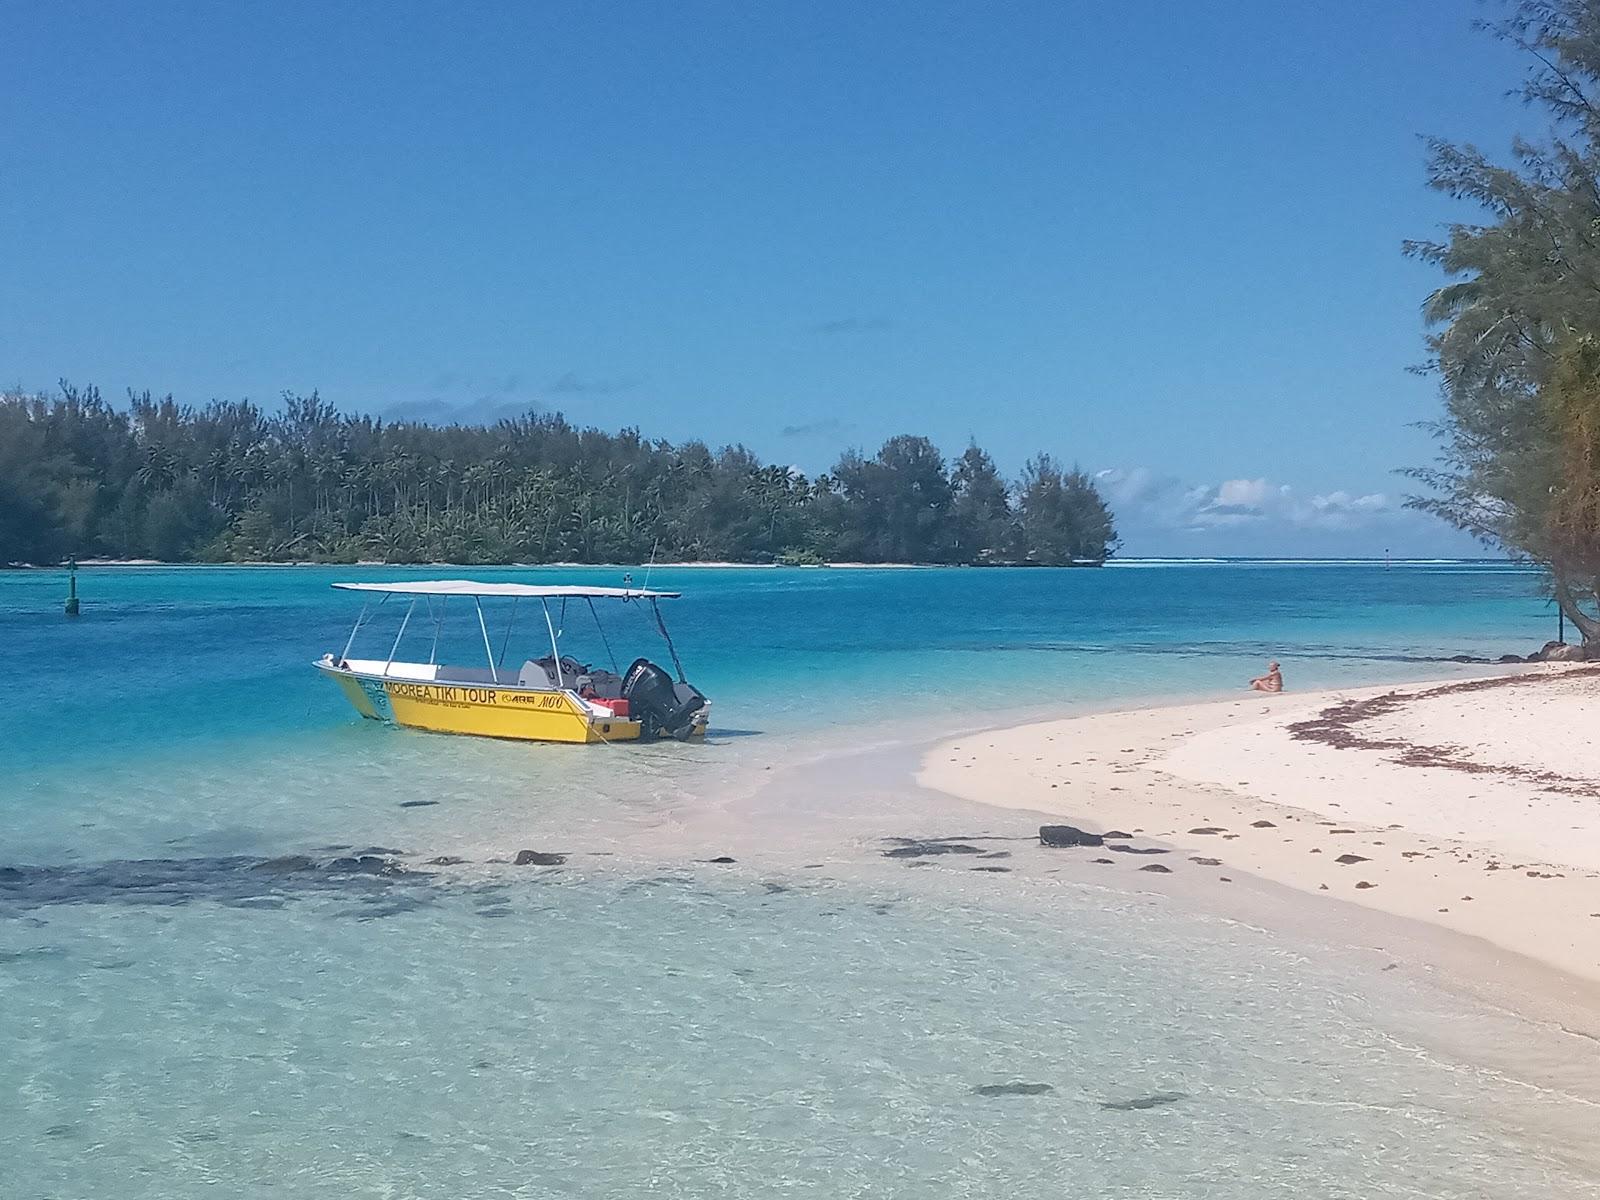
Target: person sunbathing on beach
x=1272 y=681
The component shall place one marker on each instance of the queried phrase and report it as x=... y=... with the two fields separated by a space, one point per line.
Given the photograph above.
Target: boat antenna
x=652 y=565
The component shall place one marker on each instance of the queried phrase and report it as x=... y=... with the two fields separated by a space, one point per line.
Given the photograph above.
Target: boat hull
x=519 y=714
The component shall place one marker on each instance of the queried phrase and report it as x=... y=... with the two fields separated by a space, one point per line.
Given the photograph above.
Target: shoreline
x=1323 y=795
x=843 y=564
x=367 y=563
x=860 y=817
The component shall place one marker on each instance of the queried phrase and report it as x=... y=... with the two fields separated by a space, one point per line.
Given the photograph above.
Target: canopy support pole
x=359 y=620
x=395 y=649
x=488 y=650
x=555 y=649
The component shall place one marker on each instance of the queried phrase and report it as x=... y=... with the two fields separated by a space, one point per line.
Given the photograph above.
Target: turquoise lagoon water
x=204 y=986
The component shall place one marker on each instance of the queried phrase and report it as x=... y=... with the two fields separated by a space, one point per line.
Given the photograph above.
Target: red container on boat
x=617 y=705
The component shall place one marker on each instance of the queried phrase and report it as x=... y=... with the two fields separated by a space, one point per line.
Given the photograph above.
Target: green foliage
x=984 y=524
x=1523 y=300
x=801 y=558
x=1572 y=530
x=1062 y=517
x=230 y=482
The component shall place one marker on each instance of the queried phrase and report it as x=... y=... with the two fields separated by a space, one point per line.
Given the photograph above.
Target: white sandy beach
x=1472 y=805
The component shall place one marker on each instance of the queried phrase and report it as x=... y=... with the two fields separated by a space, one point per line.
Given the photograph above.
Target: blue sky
x=1160 y=240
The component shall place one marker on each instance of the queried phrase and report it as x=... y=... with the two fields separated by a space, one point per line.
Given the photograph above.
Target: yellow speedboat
x=551 y=699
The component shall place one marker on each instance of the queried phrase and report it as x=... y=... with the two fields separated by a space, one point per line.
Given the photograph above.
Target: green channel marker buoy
x=72 y=586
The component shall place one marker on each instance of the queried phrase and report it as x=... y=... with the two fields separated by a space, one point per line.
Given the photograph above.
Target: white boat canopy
x=466 y=587
x=477 y=592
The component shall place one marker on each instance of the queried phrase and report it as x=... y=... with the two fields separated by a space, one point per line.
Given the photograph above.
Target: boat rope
x=605 y=641
x=667 y=637
x=438 y=626
x=506 y=641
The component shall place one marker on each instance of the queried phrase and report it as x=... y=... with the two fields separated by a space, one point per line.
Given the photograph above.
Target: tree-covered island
x=233 y=482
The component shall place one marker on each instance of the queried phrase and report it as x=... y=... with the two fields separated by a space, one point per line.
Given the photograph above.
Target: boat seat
x=533 y=675
x=473 y=675
x=607 y=685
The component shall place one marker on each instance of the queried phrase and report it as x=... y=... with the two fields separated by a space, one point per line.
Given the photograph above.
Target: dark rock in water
x=1349 y=859
x=1511 y=658
x=1154 y=1100
x=418 y=803
x=234 y=880
x=1207 y=862
x=996 y=854
x=1012 y=1089
x=721 y=858
x=366 y=864
x=1164 y=870
x=1104 y=861
x=1138 y=850
x=371 y=910
x=446 y=860
x=1115 y=835
x=997 y=870
x=537 y=858
x=1465 y=658
x=1363 y=885
x=1068 y=835
x=911 y=848
x=369 y=851
x=33 y=952
x=1263 y=825
x=1208 y=829
x=1561 y=652
x=285 y=864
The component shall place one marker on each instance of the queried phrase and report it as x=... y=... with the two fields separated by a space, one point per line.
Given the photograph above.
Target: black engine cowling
x=658 y=704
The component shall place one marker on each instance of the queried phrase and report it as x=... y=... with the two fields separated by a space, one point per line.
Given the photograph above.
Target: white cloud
x=1163 y=514
x=1170 y=503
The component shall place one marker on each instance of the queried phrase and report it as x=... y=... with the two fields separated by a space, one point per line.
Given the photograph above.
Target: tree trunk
x=1587 y=626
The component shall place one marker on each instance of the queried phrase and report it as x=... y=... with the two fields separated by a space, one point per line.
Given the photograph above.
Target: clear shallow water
x=181 y=1015
x=683 y=1036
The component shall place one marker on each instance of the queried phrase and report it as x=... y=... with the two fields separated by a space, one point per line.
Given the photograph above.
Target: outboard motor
x=659 y=705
